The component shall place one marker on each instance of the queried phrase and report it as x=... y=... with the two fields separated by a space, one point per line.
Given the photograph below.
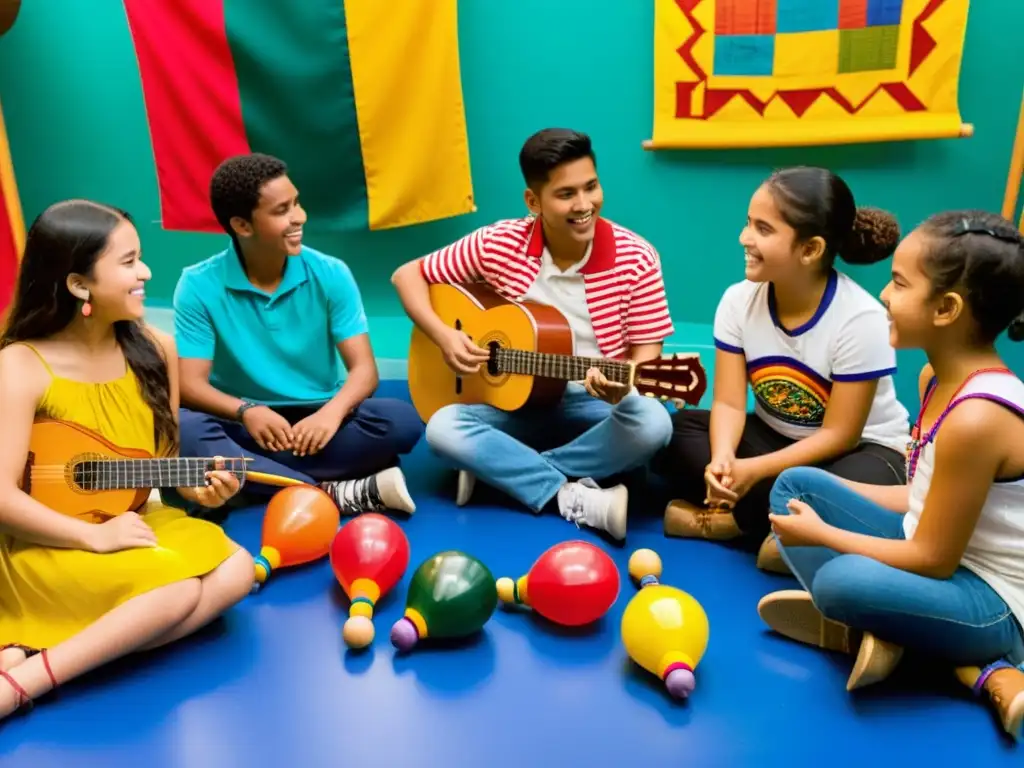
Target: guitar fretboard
x=565 y=367
x=120 y=474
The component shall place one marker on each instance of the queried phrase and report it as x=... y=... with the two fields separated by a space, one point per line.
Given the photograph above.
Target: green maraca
x=451 y=595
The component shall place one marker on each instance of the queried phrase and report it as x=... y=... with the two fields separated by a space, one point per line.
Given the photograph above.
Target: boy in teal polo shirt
x=262 y=330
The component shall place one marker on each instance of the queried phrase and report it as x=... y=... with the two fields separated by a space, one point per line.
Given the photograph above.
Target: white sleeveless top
x=995 y=551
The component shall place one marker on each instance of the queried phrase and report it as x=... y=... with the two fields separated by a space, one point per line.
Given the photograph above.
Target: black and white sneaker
x=376 y=493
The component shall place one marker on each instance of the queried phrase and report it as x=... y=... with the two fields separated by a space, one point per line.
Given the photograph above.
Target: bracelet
x=245 y=406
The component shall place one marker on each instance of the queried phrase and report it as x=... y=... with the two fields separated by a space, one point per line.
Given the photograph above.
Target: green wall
x=73 y=104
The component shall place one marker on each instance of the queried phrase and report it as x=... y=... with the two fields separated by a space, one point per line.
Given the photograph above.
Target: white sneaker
x=602 y=508
x=467 y=482
x=376 y=493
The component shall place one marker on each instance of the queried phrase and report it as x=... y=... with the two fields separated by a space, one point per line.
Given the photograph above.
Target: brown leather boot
x=792 y=613
x=1005 y=689
x=769 y=558
x=688 y=521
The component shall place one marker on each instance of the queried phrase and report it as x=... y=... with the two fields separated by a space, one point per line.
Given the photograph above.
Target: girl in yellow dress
x=76 y=594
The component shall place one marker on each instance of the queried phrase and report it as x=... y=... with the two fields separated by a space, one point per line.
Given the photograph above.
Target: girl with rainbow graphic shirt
x=812 y=344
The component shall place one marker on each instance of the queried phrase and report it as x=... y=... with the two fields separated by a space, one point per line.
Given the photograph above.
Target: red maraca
x=572 y=583
x=369 y=555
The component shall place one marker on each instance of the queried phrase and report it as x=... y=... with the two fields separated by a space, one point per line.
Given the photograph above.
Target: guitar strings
x=539 y=363
x=178 y=470
x=160 y=463
x=61 y=471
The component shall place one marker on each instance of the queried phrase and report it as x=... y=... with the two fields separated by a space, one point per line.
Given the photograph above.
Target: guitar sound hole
x=492 y=362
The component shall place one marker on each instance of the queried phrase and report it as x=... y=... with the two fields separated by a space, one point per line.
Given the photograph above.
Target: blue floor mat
x=272 y=684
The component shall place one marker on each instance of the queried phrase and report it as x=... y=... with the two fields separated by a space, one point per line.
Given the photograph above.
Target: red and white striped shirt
x=624 y=285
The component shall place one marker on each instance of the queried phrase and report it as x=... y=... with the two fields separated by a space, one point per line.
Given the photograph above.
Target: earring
x=86 y=308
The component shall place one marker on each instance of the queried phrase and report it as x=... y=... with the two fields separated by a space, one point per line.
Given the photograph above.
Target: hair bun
x=875 y=235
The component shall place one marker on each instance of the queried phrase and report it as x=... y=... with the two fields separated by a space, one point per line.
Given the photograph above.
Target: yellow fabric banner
x=755 y=73
x=412 y=123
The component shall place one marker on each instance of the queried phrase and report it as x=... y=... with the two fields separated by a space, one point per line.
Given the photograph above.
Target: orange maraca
x=298 y=527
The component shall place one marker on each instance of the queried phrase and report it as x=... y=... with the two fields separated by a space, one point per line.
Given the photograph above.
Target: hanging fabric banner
x=755 y=73
x=362 y=100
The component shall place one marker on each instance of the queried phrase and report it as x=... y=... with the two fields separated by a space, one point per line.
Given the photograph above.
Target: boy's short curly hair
x=236 y=184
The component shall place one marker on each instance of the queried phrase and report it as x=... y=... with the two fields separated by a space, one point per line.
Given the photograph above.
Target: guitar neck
x=565 y=367
x=120 y=474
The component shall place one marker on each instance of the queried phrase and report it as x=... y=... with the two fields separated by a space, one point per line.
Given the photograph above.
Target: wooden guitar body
x=56 y=473
x=531 y=357
x=491 y=322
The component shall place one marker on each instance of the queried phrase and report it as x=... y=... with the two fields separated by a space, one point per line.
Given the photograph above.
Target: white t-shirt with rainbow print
x=792 y=371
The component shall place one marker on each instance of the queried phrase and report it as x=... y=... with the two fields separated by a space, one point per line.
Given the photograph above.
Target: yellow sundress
x=48 y=594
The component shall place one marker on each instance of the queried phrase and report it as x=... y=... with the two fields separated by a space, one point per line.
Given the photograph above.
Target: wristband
x=245 y=406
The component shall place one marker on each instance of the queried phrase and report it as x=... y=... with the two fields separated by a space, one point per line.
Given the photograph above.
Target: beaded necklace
x=917 y=444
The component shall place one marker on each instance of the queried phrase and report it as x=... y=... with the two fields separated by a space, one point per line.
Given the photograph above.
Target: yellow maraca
x=664 y=629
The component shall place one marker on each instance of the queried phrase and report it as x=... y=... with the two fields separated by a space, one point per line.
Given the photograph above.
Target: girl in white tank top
x=937 y=565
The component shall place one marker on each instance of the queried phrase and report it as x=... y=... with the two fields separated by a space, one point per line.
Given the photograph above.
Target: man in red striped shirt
x=607 y=282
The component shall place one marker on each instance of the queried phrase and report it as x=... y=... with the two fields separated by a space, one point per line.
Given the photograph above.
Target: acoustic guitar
x=531 y=357
x=75 y=471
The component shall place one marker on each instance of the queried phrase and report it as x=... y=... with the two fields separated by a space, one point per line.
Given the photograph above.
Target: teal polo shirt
x=277 y=348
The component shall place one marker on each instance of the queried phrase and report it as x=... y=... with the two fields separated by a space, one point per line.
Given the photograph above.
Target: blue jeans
x=501 y=447
x=960 y=619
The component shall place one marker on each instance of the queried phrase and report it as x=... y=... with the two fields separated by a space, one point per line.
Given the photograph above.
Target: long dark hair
x=67 y=238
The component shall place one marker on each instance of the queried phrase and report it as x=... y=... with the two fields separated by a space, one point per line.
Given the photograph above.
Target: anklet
x=995 y=666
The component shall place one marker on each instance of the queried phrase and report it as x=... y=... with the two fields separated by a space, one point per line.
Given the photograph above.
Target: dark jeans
x=371 y=438
x=683 y=461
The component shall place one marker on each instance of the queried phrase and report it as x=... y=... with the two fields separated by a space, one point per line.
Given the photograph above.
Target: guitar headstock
x=679 y=376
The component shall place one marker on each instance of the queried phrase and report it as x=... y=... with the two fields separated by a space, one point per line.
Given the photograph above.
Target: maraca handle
x=512 y=591
x=361 y=606
x=408 y=630
x=676 y=669
x=364 y=594
x=266 y=561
